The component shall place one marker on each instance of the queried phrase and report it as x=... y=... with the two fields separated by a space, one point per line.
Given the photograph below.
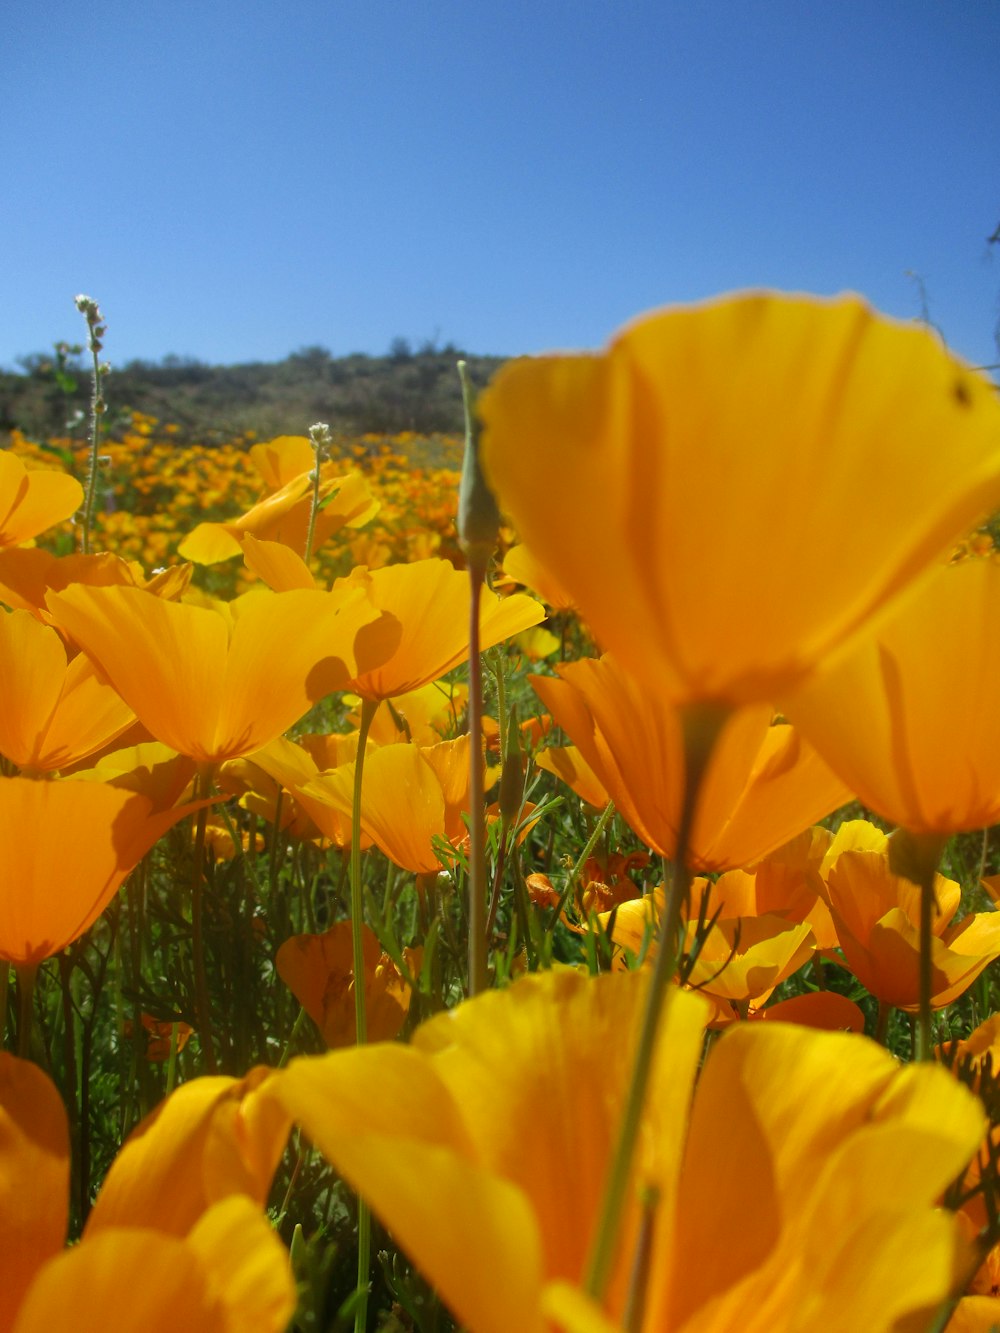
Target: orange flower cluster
x=753 y=505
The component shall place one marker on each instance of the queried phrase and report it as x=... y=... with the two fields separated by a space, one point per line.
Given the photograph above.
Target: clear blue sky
x=235 y=181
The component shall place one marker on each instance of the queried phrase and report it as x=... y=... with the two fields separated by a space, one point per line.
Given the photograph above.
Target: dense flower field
x=576 y=914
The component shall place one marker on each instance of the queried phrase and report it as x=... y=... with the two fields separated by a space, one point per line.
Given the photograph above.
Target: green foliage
x=355 y=394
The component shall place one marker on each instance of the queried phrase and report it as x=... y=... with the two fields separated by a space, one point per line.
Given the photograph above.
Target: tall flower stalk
x=320 y=437
x=701 y=726
x=478 y=526
x=96 y=329
x=368 y=710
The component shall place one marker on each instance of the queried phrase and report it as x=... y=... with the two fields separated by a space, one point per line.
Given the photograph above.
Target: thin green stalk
x=927 y=906
x=504 y=718
x=320 y=437
x=477 y=802
x=274 y=851
x=172 y=1058
x=300 y=1019
x=478 y=523
x=4 y=995
x=916 y=856
x=701 y=730
x=203 y=783
x=300 y=1157
x=588 y=850
x=635 y=1303
x=882 y=1021
x=96 y=329
x=368 y=710
x=26 y=974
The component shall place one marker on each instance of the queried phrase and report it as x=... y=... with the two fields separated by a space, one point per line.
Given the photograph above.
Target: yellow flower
x=56 y=712
x=319 y=971
x=176 y=1238
x=65 y=848
x=412 y=794
x=763 y=786
x=909 y=717
x=220 y=681
x=483 y=1147
x=30 y=502
x=731 y=490
x=430 y=599
x=876 y=914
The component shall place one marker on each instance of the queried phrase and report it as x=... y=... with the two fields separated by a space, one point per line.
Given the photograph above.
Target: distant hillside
x=404 y=391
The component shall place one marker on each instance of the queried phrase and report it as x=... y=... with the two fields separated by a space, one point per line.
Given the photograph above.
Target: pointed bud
x=478 y=515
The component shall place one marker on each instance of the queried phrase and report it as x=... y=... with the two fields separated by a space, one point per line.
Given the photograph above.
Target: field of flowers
x=540 y=882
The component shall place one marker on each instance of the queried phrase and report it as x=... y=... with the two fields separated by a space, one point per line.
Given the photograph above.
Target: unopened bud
x=478 y=515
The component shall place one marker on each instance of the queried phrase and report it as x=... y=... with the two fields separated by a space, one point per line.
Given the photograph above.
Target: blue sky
x=233 y=181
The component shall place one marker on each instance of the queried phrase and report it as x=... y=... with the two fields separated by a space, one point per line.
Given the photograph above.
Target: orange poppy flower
x=161 y=1035
x=433 y=1136
x=411 y=796
x=823 y=1009
x=319 y=971
x=520 y=566
x=210 y=1138
x=908 y=718
x=176 y=1238
x=282 y=459
x=66 y=846
x=229 y=1272
x=430 y=599
x=27 y=576
x=55 y=712
x=763 y=786
x=566 y=762
x=32 y=501
x=283 y=516
x=740 y=961
x=149 y=768
x=876 y=915
x=219 y=682
x=279 y=770
x=727 y=447
x=34 y=1168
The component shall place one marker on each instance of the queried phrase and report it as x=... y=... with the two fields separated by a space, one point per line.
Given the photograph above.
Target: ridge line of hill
x=358 y=394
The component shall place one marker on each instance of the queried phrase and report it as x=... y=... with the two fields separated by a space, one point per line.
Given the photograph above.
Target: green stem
x=96 y=330
x=584 y=857
x=297 y=1026
x=4 y=994
x=701 y=728
x=172 y=1059
x=635 y=1303
x=368 y=710
x=203 y=783
x=916 y=856
x=26 y=974
x=882 y=1021
x=477 y=803
x=320 y=436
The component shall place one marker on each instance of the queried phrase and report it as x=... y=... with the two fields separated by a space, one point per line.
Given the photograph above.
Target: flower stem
x=916 y=856
x=368 y=710
x=26 y=974
x=320 y=437
x=701 y=728
x=203 y=783
x=477 y=806
x=96 y=329
x=882 y=1021
x=4 y=993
